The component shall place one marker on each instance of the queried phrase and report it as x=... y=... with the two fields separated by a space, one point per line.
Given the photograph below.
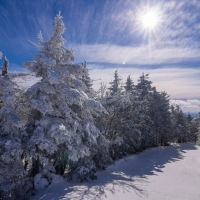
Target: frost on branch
x=61 y=125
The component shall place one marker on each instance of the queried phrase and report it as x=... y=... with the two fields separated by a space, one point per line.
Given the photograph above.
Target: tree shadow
x=128 y=174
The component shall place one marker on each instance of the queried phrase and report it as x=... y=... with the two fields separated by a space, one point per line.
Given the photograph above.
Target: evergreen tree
x=193 y=124
x=145 y=89
x=5 y=67
x=198 y=130
x=121 y=126
x=14 y=181
x=179 y=124
x=189 y=117
x=115 y=84
x=144 y=85
x=129 y=84
x=87 y=80
x=61 y=125
x=160 y=116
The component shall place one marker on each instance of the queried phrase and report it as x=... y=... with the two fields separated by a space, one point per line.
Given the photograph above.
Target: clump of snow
x=46 y=177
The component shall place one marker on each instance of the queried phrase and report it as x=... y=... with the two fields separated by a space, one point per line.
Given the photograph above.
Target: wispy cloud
x=192 y=105
x=108 y=33
x=139 y=55
x=179 y=83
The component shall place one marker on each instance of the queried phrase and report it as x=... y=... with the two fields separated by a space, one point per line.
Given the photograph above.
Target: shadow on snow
x=127 y=174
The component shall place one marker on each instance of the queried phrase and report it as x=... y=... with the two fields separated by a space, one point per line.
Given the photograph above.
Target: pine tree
x=197 y=119
x=144 y=85
x=160 y=116
x=87 y=80
x=193 y=124
x=61 y=129
x=122 y=127
x=115 y=84
x=14 y=182
x=145 y=89
x=179 y=124
x=5 y=67
x=189 y=117
x=129 y=84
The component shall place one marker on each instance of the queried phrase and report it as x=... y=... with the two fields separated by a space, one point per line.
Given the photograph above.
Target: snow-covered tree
x=115 y=84
x=101 y=92
x=5 y=67
x=145 y=89
x=129 y=84
x=193 y=124
x=61 y=125
x=122 y=127
x=160 y=115
x=87 y=80
x=197 y=119
x=119 y=126
x=144 y=85
x=14 y=181
x=179 y=124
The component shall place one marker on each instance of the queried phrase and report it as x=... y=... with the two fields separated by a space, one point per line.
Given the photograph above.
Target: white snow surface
x=25 y=80
x=167 y=173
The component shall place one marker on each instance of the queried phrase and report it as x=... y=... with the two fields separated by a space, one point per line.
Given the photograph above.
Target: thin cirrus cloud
x=108 y=35
x=192 y=105
x=179 y=83
x=142 y=55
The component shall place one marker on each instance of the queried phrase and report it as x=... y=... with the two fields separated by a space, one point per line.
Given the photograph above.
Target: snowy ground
x=159 y=174
x=24 y=80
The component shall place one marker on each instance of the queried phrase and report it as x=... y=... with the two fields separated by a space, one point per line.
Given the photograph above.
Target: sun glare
x=150 y=20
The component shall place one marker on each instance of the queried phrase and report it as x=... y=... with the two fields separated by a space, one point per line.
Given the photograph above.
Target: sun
x=150 y=20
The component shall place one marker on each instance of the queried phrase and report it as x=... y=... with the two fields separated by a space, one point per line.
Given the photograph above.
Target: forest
x=62 y=126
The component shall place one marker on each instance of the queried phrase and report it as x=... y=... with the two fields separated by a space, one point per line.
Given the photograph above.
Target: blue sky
x=109 y=34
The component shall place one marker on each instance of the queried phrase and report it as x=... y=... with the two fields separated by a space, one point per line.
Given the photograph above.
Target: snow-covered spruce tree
x=101 y=92
x=61 y=128
x=160 y=115
x=197 y=119
x=5 y=67
x=115 y=84
x=122 y=126
x=179 y=124
x=144 y=85
x=87 y=80
x=129 y=84
x=14 y=182
x=193 y=124
x=145 y=88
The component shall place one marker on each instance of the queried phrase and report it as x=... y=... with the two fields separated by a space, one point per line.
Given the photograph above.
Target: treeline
x=60 y=126
x=141 y=117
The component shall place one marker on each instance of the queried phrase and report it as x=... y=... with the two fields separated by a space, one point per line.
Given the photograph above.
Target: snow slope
x=24 y=80
x=171 y=172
